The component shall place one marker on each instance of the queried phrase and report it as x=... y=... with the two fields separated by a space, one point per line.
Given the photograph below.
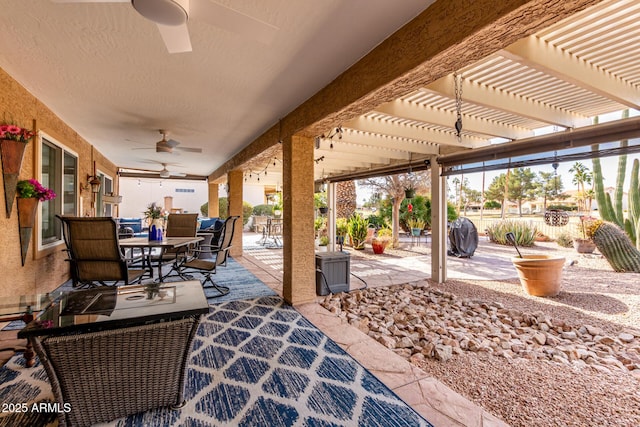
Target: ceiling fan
x=171 y=17
x=167 y=146
x=166 y=173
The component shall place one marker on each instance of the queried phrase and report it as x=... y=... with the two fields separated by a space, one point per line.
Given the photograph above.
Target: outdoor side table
x=111 y=352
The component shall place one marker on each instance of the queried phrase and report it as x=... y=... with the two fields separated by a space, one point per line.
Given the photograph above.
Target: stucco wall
x=45 y=270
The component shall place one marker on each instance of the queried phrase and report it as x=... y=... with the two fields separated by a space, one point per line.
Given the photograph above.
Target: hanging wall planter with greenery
x=13 y=142
x=29 y=192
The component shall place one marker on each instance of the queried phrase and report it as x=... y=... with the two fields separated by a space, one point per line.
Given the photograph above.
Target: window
x=58 y=171
x=106 y=188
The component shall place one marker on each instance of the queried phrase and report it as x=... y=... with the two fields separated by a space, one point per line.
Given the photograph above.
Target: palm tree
x=581 y=176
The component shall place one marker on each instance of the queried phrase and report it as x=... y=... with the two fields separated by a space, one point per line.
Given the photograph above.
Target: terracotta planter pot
x=378 y=246
x=584 y=246
x=540 y=275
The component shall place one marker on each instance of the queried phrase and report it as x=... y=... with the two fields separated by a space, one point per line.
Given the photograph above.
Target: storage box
x=332 y=272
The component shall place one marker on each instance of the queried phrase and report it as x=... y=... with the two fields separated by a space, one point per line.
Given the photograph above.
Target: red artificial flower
x=410 y=207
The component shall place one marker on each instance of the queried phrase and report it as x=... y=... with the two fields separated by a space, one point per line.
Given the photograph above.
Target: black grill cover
x=463 y=238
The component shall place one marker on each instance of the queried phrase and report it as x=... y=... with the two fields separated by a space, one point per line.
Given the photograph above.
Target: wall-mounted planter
x=11 y=152
x=26 y=219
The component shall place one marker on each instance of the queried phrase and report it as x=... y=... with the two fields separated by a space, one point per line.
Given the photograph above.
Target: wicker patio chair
x=94 y=252
x=220 y=254
x=110 y=374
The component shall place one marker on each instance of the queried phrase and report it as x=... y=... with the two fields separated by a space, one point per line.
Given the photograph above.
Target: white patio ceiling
x=563 y=76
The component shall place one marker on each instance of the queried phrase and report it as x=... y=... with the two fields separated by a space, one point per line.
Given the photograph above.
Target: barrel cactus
x=615 y=246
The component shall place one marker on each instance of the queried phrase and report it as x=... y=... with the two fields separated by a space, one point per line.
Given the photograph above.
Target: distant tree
x=394 y=186
x=549 y=186
x=522 y=186
x=581 y=176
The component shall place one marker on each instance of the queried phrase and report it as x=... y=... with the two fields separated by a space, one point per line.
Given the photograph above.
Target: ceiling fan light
x=163 y=148
x=165 y=173
x=165 y=12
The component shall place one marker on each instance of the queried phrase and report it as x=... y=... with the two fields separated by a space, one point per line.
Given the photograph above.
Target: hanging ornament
x=410 y=207
x=457 y=87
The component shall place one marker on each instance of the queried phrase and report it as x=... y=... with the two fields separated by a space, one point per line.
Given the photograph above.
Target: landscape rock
x=420 y=322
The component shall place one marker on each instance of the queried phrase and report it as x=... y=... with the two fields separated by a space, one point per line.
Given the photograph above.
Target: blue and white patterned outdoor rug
x=253 y=363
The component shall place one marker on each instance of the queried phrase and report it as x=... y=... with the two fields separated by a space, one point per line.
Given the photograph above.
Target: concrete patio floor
x=439 y=404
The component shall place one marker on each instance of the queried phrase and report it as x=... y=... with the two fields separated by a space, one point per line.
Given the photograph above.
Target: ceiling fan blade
x=178 y=174
x=91 y=1
x=231 y=20
x=176 y=38
x=189 y=149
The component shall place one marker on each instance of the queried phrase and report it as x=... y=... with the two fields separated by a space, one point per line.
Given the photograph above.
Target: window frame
x=44 y=248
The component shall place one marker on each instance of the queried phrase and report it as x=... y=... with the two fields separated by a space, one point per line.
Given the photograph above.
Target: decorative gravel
x=568 y=360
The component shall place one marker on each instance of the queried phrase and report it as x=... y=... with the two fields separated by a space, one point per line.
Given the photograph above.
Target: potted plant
x=13 y=141
x=540 y=275
x=29 y=193
x=358 y=227
x=583 y=244
x=277 y=205
x=323 y=242
x=320 y=202
x=342 y=229
x=409 y=191
x=382 y=240
x=153 y=214
x=416 y=225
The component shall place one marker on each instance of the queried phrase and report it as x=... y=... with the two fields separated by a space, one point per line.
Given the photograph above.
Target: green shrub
x=452 y=212
x=342 y=227
x=562 y=208
x=358 y=226
x=525 y=232
x=223 y=204
x=204 y=210
x=492 y=204
x=247 y=211
x=377 y=221
x=564 y=239
x=263 y=210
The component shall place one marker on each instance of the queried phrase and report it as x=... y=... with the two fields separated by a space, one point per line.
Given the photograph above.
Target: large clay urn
x=540 y=275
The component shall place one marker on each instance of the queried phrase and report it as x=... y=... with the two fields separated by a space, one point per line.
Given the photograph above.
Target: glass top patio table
x=23 y=304
x=144 y=243
x=109 y=307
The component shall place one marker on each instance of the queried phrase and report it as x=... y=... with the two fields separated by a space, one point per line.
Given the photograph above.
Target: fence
x=544 y=228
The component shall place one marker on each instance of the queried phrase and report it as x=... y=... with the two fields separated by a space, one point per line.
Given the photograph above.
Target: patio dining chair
x=94 y=252
x=178 y=225
x=220 y=254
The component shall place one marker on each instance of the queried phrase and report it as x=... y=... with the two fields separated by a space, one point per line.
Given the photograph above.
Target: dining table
x=147 y=246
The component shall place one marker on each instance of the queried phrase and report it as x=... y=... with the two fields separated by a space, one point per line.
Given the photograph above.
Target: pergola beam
x=367 y=124
x=501 y=101
x=535 y=53
x=441 y=117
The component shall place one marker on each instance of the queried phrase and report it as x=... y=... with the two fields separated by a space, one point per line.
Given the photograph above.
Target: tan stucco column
x=214 y=204
x=234 y=179
x=299 y=254
x=438 y=223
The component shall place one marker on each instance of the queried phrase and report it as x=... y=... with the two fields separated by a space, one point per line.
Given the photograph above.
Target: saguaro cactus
x=632 y=223
x=610 y=211
x=615 y=246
